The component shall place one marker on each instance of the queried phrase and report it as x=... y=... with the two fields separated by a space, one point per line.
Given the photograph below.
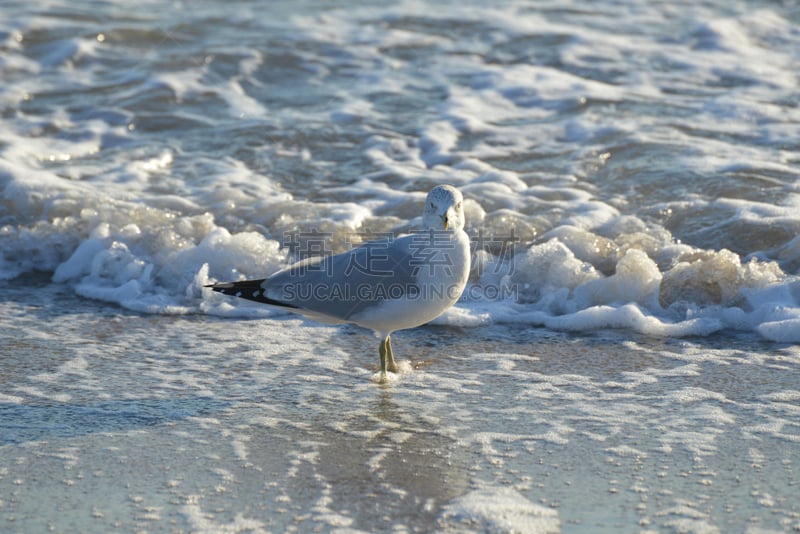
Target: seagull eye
x=458 y=206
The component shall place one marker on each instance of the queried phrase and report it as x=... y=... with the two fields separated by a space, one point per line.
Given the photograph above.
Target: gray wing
x=343 y=285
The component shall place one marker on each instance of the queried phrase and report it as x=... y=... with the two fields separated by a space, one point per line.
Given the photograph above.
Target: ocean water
x=625 y=357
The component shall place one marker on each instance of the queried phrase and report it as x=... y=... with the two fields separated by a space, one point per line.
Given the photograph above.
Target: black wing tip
x=232 y=288
x=248 y=289
x=219 y=286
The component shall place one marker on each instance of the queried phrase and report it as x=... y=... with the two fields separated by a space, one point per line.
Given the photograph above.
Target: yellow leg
x=387 y=358
x=382 y=352
x=391 y=364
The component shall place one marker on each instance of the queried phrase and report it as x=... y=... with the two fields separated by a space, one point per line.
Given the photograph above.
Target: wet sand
x=112 y=420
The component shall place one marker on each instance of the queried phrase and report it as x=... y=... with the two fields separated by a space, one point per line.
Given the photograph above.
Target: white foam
x=497 y=508
x=690 y=395
x=205 y=522
x=535 y=146
x=786 y=331
x=11 y=399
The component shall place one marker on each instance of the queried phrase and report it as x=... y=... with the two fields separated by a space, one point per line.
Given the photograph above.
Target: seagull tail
x=250 y=290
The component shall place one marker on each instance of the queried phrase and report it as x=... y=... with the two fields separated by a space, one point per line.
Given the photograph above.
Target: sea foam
x=639 y=182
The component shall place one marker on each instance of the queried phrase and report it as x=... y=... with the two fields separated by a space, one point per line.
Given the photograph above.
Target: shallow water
x=624 y=357
x=198 y=424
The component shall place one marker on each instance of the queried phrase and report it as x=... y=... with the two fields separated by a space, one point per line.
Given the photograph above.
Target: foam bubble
x=499 y=508
x=786 y=331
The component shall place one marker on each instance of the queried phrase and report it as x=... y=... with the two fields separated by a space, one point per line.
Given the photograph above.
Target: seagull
x=384 y=285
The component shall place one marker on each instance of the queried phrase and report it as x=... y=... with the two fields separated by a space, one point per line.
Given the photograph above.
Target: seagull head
x=444 y=209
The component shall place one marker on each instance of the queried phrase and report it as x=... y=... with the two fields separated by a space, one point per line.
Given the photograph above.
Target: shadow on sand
x=20 y=423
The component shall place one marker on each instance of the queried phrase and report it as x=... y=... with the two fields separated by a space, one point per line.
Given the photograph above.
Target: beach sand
x=202 y=424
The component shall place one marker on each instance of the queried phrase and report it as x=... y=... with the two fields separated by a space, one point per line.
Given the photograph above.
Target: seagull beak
x=445 y=221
